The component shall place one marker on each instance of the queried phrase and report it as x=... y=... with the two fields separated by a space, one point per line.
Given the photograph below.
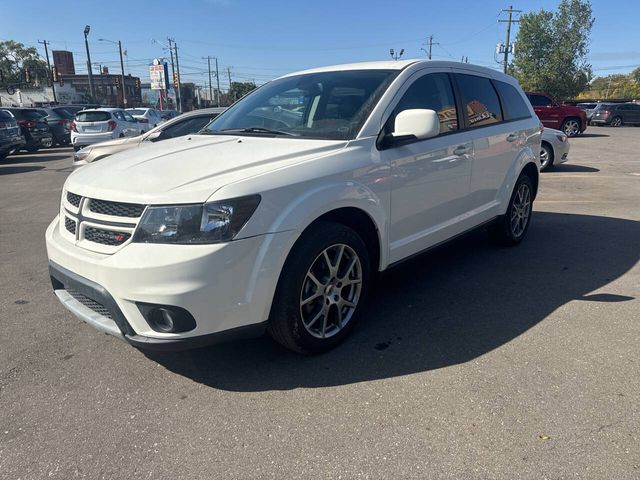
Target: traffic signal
x=54 y=73
x=118 y=82
x=176 y=81
x=137 y=84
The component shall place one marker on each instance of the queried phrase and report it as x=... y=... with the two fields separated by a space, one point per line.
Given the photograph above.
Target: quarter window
x=432 y=92
x=514 y=105
x=480 y=100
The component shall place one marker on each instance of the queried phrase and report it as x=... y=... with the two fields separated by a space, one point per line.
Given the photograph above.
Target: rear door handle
x=513 y=137
x=462 y=149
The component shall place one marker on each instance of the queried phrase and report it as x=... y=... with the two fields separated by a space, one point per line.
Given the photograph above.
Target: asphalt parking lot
x=474 y=362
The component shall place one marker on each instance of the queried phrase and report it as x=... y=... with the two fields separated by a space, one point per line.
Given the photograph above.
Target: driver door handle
x=513 y=137
x=462 y=149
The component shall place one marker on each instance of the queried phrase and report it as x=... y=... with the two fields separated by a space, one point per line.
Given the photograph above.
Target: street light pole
x=92 y=91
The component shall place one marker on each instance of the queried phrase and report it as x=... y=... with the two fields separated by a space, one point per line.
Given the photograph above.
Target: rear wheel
x=512 y=227
x=571 y=127
x=321 y=290
x=546 y=157
x=616 y=122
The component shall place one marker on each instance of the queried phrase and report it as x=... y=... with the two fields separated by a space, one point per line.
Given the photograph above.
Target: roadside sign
x=156 y=74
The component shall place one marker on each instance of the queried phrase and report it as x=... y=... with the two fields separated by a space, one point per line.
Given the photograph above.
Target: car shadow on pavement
x=8 y=170
x=591 y=135
x=443 y=308
x=571 y=168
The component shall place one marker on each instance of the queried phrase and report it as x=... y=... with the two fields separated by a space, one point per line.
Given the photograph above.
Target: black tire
x=502 y=231
x=286 y=324
x=616 y=121
x=574 y=123
x=546 y=149
x=76 y=148
x=3 y=155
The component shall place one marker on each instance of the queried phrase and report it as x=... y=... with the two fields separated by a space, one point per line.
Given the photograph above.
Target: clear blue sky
x=260 y=40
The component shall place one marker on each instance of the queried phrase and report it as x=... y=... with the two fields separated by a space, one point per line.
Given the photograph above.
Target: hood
x=190 y=169
x=117 y=141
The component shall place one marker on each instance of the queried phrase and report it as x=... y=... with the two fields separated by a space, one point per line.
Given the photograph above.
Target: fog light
x=167 y=319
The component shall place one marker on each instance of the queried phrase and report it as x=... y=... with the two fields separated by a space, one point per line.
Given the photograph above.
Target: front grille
x=73 y=199
x=116 y=209
x=70 y=225
x=105 y=237
x=90 y=303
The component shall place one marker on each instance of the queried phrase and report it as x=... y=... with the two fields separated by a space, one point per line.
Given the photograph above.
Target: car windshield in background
x=326 y=105
x=63 y=113
x=33 y=115
x=136 y=112
x=93 y=116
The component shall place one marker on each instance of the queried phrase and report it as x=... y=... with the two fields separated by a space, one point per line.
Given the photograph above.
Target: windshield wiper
x=258 y=130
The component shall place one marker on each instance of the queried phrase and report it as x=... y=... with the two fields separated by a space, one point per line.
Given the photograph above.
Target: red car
x=571 y=120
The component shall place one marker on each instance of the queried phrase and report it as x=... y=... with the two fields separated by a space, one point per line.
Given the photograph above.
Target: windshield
x=92 y=116
x=136 y=112
x=327 y=105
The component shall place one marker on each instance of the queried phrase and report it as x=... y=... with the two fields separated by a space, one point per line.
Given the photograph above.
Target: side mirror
x=414 y=124
x=155 y=136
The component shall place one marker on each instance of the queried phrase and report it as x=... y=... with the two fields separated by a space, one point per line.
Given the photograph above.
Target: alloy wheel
x=331 y=290
x=520 y=210
x=616 y=122
x=571 y=128
x=544 y=158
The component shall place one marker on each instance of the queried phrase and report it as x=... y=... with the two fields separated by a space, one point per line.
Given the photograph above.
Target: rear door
x=494 y=141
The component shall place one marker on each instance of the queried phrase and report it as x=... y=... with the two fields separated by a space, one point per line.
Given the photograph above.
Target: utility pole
x=507 y=46
x=92 y=90
x=53 y=84
x=229 y=73
x=175 y=70
x=218 y=83
x=210 y=86
x=124 y=88
x=179 y=95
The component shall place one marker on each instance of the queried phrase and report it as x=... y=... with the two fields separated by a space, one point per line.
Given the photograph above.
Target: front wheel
x=321 y=289
x=616 y=122
x=510 y=228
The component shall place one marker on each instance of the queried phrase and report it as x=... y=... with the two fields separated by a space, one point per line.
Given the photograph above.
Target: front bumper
x=227 y=288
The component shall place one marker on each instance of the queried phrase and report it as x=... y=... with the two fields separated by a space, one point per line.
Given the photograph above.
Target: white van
x=280 y=212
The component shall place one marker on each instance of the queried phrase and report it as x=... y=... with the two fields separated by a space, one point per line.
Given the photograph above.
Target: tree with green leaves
x=238 y=90
x=551 y=49
x=16 y=59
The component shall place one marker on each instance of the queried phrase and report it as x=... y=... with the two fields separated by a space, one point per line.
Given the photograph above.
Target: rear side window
x=513 y=104
x=93 y=117
x=480 y=100
x=433 y=92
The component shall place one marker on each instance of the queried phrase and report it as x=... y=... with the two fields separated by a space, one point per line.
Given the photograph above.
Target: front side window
x=325 y=105
x=480 y=100
x=185 y=127
x=432 y=92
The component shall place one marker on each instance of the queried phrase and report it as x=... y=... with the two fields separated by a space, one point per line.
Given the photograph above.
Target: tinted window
x=512 y=102
x=480 y=100
x=432 y=92
x=136 y=112
x=63 y=113
x=93 y=116
x=5 y=115
x=186 y=126
x=31 y=114
x=539 y=100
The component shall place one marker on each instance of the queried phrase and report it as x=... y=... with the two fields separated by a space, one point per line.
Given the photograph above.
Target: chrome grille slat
x=116 y=209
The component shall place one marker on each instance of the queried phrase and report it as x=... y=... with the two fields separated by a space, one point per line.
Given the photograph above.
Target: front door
x=430 y=177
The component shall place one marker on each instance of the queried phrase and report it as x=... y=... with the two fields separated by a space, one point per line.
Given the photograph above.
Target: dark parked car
x=10 y=136
x=571 y=120
x=588 y=108
x=59 y=121
x=73 y=109
x=617 y=114
x=34 y=127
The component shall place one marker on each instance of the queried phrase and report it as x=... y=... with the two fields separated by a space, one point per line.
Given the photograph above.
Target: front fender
x=526 y=156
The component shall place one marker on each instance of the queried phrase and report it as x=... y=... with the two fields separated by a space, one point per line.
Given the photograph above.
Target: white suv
x=280 y=212
x=100 y=124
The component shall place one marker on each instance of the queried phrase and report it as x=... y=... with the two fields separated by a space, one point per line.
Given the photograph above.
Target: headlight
x=212 y=222
x=562 y=138
x=81 y=154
